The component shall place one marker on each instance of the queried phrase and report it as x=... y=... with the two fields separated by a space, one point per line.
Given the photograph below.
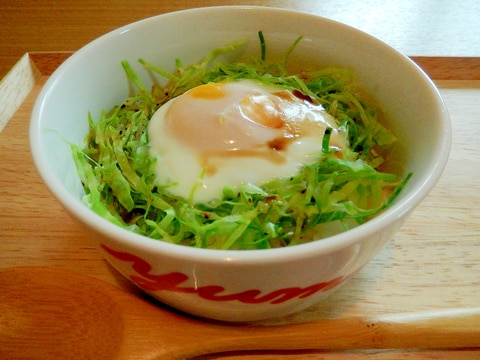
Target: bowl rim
x=399 y=209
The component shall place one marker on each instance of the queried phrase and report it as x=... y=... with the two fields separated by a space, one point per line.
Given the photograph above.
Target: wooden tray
x=432 y=263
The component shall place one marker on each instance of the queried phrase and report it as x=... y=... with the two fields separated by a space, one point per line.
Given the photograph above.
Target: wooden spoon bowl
x=48 y=313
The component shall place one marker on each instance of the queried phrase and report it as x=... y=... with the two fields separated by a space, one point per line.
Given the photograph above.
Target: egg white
x=215 y=143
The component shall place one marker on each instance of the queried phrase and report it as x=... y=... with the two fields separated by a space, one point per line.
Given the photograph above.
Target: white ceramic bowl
x=237 y=285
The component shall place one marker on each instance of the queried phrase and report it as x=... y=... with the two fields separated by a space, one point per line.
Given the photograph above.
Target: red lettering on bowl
x=172 y=282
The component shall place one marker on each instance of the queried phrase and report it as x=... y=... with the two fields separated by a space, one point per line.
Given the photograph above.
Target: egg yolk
x=208 y=91
x=241 y=117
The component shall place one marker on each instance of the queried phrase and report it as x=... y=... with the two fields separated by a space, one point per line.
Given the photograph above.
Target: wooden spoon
x=48 y=313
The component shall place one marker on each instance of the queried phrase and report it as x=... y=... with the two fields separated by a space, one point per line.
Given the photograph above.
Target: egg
x=233 y=133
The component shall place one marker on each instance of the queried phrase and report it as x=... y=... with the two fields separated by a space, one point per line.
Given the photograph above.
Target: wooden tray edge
x=21 y=79
x=48 y=62
x=24 y=75
x=15 y=87
x=449 y=68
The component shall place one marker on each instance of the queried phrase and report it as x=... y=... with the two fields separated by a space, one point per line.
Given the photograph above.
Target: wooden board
x=432 y=263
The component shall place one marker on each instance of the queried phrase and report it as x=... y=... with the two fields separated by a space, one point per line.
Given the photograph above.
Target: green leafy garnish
x=347 y=187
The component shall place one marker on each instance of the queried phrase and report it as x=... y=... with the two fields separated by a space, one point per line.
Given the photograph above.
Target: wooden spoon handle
x=455 y=328
x=432 y=330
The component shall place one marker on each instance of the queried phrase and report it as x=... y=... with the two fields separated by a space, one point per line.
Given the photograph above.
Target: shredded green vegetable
x=118 y=172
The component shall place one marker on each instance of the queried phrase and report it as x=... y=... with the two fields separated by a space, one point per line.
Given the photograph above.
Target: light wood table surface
x=432 y=263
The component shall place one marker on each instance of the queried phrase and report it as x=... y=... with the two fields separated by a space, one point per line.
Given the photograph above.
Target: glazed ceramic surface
x=238 y=285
